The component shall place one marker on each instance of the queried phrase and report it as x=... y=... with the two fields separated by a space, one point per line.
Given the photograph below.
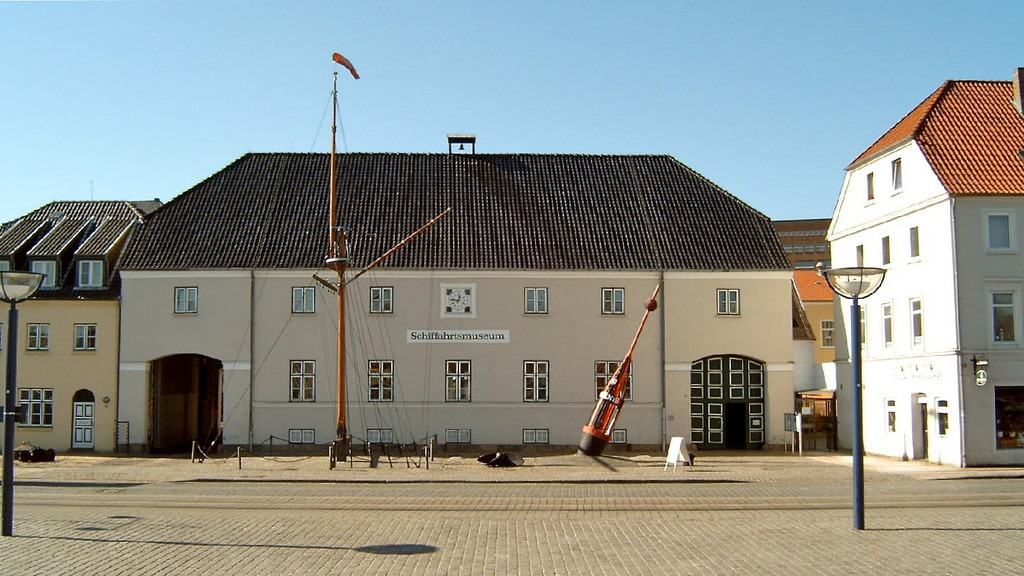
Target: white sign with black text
x=458 y=337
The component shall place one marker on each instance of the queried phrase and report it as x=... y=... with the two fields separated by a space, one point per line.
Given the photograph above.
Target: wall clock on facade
x=458 y=300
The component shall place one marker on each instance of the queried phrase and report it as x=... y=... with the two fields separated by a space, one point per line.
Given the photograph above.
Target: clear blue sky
x=136 y=100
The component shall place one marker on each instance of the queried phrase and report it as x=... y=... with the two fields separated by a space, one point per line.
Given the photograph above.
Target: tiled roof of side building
x=970 y=132
x=509 y=211
x=812 y=287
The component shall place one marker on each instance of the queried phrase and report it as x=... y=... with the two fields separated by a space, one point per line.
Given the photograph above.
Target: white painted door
x=83 y=425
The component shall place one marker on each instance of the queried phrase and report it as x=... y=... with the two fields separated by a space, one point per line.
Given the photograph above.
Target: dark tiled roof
x=65 y=230
x=970 y=132
x=509 y=211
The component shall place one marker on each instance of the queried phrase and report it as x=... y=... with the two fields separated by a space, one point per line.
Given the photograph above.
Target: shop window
x=1009 y=417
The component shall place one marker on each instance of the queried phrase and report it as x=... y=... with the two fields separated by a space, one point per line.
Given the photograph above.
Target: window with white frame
x=728 y=301
x=916 y=320
x=535 y=381
x=860 y=254
x=85 y=336
x=90 y=273
x=536 y=300
x=186 y=300
x=535 y=435
x=603 y=372
x=302 y=382
x=619 y=436
x=381 y=380
x=380 y=435
x=863 y=328
x=303 y=300
x=458 y=380
x=870 y=184
x=37 y=403
x=887 y=323
x=890 y=413
x=301 y=436
x=38 y=337
x=458 y=436
x=942 y=416
x=915 y=242
x=1004 y=316
x=999 y=232
x=613 y=300
x=828 y=334
x=5 y=265
x=381 y=299
x=48 y=268
x=897 y=175
x=885 y=251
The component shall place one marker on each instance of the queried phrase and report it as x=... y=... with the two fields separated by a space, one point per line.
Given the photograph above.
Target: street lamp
x=14 y=287
x=856 y=283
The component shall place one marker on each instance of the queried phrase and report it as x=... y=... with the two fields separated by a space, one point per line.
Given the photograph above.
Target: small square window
x=619 y=436
x=458 y=436
x=301 y=436
x=1000 y=232
x=186 y=300
x=303 y=300
x=728 y=302
x=382 y=299
x=536 y=300
x=535 y=436
x=613 y=301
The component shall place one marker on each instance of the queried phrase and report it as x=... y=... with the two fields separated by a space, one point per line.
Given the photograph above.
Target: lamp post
x=14 y=287
x=856 y=283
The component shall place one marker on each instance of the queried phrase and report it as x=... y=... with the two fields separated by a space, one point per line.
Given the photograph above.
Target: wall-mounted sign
x=981 y=377
x=457 y=337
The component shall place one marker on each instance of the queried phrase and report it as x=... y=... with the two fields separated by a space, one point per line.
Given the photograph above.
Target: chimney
x=462 y=140
x=1018 y=79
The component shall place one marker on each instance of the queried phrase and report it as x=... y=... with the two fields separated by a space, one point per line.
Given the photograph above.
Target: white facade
x=244 y=320
x=920 y=396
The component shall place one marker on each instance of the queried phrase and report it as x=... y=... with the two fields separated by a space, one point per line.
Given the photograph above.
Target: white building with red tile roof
x=938 y=201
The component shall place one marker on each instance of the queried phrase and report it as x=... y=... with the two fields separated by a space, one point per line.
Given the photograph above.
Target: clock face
x=458 y=301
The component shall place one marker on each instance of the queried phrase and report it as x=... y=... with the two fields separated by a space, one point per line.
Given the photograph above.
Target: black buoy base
x=591 y=445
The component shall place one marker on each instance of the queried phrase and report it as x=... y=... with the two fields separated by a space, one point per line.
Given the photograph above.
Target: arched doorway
x=185 y=402
x=83 y=419
x=727 y=397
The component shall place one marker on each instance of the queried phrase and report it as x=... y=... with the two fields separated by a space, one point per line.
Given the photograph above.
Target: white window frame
x=303 y=300
x=727 y=301
x=380 y=377
x=535 y=300
x=186 y=299
x=897 y=175
x=991 y=310
x=5 y=265
x=941 y=409
x=830 y=330
x=301 y=436
x=458 y=381
x=38 y=337
x=1011 y=248
x=38 y=405
x=870 y=187
x=859 y=254
x=914 y=243
x=380 y=435
x=536 y=436
x=458 y=436
x=604 y=370
x=887 y=333
x=382 y=299
x=90 y=274
x=613 y=301
x=85 y=337
x=886 y=251
x=619 y=436
x=916 y=336
x=302 y=381
x=49 y=270
x=536 y=381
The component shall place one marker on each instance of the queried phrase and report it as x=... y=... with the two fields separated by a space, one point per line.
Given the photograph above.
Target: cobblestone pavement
x=741 y=513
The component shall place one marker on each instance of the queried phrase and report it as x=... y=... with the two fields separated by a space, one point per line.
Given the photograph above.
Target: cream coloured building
x=68 y=333
x=496 y=327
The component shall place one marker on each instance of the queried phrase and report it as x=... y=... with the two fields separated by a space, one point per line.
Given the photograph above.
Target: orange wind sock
x=345 y=62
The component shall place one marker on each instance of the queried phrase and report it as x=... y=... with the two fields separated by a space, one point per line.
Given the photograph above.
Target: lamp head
x=854 y=282
x=18 y=286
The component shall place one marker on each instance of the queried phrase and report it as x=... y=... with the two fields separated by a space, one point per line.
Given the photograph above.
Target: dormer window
x=48 y=268
x=90 y=274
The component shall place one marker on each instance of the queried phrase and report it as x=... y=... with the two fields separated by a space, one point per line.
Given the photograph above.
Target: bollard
x=193 y=452
x=238 y=452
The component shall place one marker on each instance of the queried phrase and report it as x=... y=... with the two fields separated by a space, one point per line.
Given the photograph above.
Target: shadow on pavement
x=397 y=549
